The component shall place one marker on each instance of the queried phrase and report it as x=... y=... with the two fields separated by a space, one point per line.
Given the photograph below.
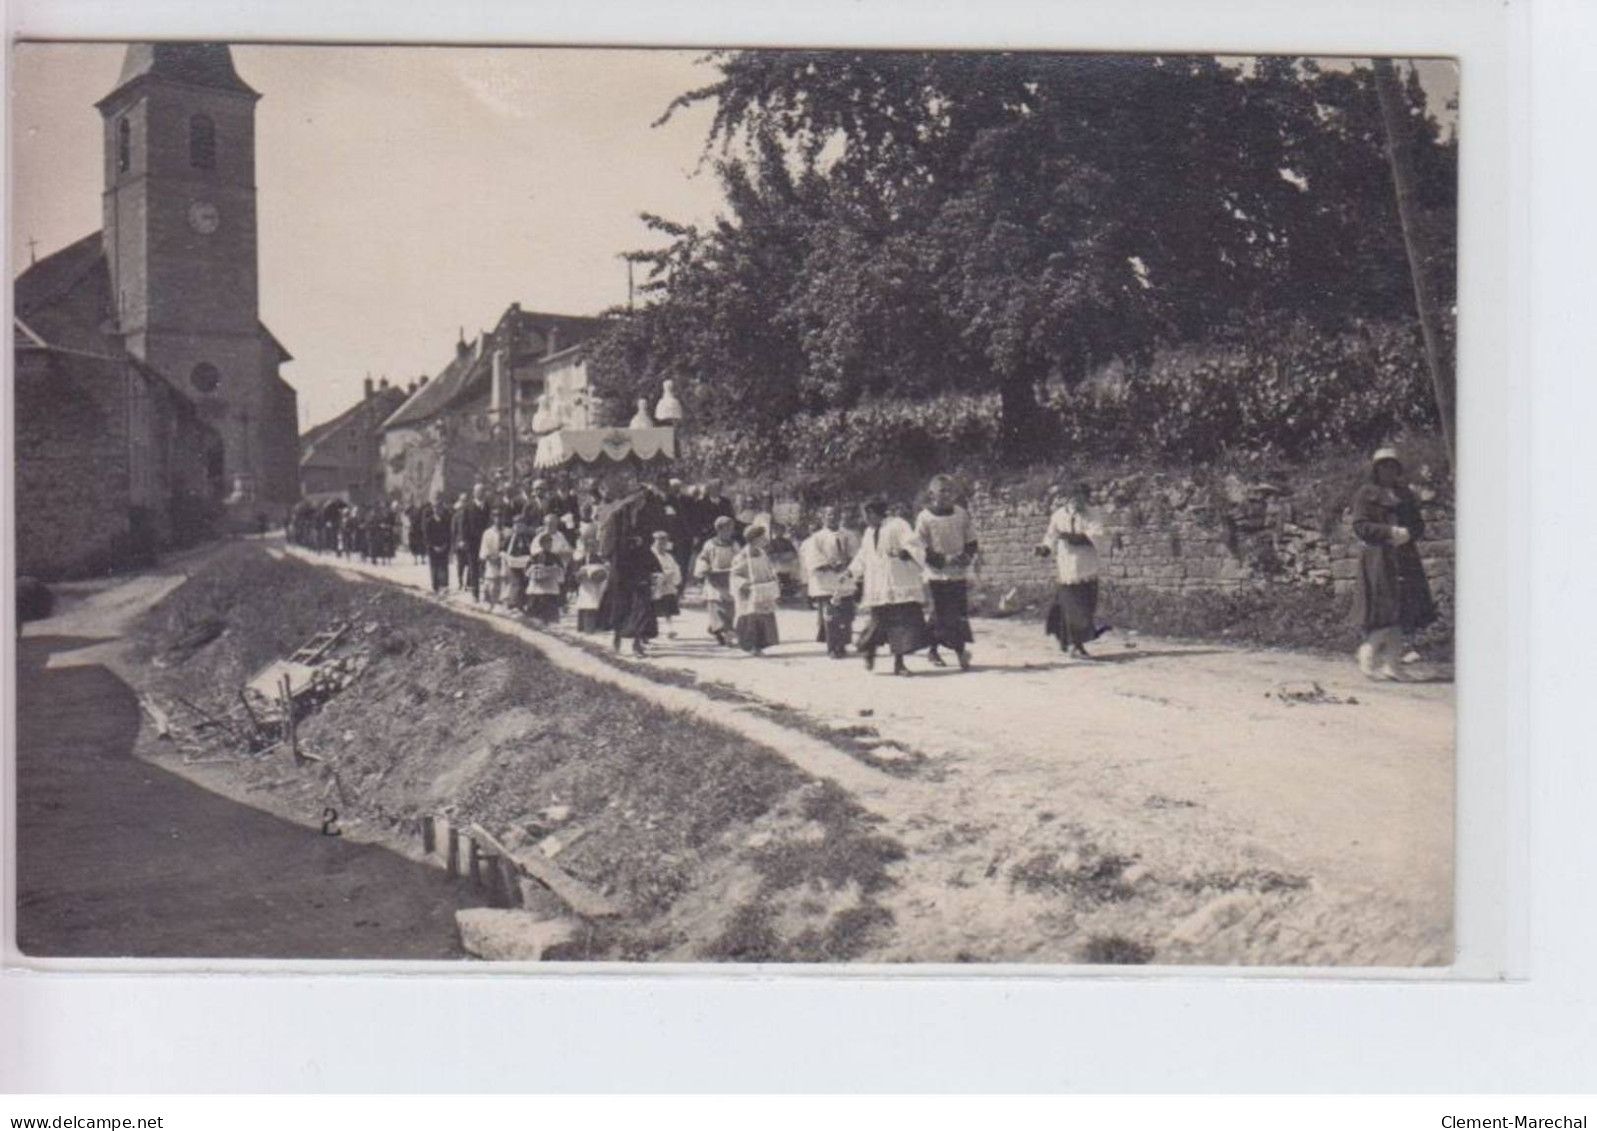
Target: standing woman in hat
x=1069 y=541
x=1393 y=596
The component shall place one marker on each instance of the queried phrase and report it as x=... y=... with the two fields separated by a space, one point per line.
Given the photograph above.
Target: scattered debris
x=556 y=843
x=1310 y=691
x=162 y=721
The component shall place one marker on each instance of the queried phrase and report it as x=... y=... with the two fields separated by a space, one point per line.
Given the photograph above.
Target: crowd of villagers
x=890 y=575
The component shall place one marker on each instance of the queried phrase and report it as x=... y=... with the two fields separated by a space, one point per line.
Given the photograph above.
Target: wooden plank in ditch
x=572 y=892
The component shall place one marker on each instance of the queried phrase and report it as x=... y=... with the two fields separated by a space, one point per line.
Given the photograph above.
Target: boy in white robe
x=889 y=565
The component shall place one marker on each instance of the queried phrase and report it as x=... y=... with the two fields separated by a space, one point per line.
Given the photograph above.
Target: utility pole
x=1394 y=116
x=33 y=251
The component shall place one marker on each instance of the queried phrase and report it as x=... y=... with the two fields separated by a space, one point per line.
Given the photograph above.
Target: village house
x=529 y=373
x=148 y=391
x=343 y=457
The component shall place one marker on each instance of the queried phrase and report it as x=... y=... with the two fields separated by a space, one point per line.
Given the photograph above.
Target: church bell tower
x=180 y=240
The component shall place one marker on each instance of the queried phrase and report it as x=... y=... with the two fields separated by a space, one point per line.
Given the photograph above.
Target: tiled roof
x=379 y=406
x=443 y=390
x=466 y=374
x=53 y=276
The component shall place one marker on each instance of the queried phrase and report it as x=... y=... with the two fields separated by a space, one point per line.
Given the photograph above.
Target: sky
x=405 y=193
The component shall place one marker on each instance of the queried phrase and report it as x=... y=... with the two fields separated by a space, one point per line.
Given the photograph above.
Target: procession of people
x=884 y=576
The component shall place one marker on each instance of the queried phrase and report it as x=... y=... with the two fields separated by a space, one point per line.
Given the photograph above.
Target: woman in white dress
x=1071 y=540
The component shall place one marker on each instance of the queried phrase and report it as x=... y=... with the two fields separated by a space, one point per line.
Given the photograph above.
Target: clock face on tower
x=204 y=217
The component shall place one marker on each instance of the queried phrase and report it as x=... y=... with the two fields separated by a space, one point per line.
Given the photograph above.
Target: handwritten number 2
x=330 y=823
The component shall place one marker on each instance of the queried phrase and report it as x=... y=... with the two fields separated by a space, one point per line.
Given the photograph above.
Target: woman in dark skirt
x=949 y=535
x=1393 y=595
x=634 y=595
x=1072 y=618
x=418 y=534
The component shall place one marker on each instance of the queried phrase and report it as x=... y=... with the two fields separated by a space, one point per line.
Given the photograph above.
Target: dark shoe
x=870 y=661
x=964 y=659
x=936 y=659
x=899 y=668
x=637 y=648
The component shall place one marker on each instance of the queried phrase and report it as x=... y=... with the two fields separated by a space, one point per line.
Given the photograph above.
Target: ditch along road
x=1184 y=802
x=119 y=858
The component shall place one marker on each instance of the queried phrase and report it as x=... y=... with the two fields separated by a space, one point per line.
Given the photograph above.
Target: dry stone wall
x=1175 y=536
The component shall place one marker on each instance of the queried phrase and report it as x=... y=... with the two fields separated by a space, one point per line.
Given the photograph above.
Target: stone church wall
x=71 y=466
x=79 y=510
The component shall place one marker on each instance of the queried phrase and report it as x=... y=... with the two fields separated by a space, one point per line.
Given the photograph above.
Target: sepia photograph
x=570 y=507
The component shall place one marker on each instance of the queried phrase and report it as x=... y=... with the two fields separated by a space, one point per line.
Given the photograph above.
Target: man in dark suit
x=477 y=513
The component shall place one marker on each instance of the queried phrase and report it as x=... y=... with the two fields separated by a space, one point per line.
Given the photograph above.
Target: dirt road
x=1164 y=802
x=119 y=858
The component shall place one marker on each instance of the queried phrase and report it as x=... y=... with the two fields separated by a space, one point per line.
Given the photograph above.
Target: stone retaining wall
x=1175 y=536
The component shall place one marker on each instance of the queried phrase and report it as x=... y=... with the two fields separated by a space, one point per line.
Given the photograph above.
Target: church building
x=164 y=302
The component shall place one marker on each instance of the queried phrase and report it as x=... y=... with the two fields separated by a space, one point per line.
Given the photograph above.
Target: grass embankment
x=699 y=834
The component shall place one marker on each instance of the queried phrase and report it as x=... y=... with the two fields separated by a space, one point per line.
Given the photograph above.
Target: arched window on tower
x=124 y=145
x=202 y=142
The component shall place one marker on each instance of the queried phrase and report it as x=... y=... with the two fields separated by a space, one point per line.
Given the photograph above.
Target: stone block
x=510 y=936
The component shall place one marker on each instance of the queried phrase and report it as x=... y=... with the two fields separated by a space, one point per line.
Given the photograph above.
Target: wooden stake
x=255 y=723
x=1394 y=117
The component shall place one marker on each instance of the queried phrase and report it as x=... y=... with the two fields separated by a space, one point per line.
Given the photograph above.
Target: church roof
x=48 y=280
x=193 y=64
x=65 y=299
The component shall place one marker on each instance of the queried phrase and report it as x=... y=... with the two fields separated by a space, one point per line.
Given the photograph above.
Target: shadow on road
x=117 y=857
x=1131 y=656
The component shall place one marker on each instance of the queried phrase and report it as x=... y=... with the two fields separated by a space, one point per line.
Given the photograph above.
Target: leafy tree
x=910 y=223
